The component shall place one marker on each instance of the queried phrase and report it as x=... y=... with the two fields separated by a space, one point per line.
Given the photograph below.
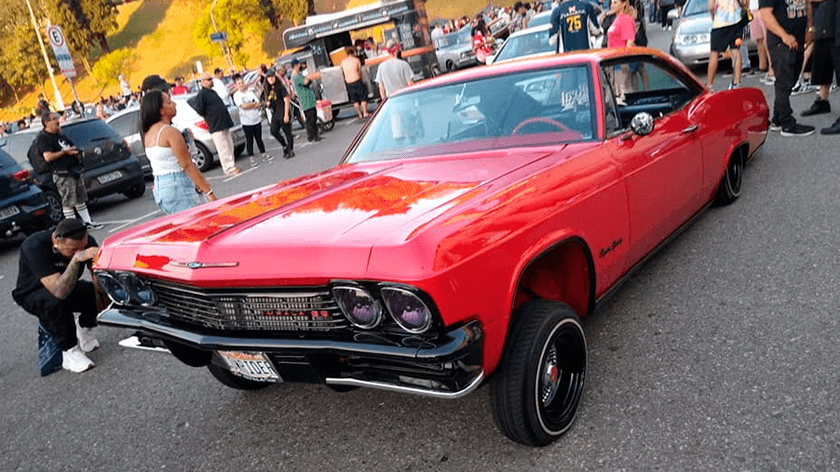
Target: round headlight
x=114 y=288
x=407 y=309
x=140 y=292
x=358 y=306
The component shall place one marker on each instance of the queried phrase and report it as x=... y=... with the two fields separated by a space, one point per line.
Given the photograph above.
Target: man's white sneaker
x=87 y=341
x=75 y=360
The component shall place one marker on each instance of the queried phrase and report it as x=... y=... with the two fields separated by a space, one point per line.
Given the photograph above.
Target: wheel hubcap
x=550 y=377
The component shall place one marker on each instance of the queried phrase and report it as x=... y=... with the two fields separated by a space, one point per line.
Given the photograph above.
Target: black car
x=109 y=164
x=22 y=205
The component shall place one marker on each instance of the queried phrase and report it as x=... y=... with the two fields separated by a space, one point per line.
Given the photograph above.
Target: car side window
x=612 y=122
x=125 y=125
x=646 y=86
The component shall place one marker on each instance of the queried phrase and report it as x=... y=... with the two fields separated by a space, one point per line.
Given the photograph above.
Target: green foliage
x=21 y=60
x=238 y=18
x=293 y=10
x=82 y=22
x=108 y=68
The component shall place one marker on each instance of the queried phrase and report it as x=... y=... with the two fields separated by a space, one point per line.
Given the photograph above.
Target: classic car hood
x=332 y=218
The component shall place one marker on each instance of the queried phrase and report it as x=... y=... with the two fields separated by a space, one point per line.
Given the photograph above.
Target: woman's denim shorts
x=175 y=192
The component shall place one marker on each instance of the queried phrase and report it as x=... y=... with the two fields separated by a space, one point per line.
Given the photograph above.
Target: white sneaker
x=75 y=360
x=87 y=341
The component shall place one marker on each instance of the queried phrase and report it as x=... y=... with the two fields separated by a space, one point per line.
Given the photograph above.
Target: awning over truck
x=319 y=26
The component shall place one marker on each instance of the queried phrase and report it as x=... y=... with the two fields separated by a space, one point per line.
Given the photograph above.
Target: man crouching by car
x=48 y=286
x=66 y=165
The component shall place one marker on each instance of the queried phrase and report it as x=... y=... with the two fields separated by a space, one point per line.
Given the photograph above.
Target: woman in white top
x=178 y=182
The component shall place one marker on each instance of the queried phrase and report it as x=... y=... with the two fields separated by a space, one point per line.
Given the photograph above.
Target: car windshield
x=525 y=45
x=695 y=7
x=544 y=107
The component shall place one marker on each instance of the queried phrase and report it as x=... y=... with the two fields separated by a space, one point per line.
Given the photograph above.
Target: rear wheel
x=234 y=381
x=54 y=203
x=136 y=191
x=733 y=177
x=537 y=389
x=203 y=158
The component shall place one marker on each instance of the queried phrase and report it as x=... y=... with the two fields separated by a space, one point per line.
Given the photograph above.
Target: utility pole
x=223 y=44
x=46 y=58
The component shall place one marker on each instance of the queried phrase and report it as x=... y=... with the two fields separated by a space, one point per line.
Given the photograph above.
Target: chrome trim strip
x=133 y=342
x=411 y=390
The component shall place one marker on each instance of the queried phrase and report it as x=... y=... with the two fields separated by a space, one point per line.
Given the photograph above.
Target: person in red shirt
x=179 y=88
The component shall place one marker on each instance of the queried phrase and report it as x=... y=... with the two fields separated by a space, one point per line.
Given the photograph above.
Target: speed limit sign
x=62 y=53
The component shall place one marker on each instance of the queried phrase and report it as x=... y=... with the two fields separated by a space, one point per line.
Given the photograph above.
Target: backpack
x=36 y=158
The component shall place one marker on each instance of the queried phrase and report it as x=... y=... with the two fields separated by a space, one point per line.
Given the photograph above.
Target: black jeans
x=311 y=116
x=786 y=64
x=288 y=142
x=663 y=14
x=253 y=133
x=57 y=315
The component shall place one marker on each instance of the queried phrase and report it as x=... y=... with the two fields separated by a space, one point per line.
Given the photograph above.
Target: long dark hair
x=150 y=106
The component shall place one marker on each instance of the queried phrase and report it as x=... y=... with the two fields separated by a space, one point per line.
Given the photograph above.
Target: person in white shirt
x=249 y=115
x=219 y=87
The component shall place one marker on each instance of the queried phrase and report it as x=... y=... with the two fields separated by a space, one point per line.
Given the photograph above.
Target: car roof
x=124 y=111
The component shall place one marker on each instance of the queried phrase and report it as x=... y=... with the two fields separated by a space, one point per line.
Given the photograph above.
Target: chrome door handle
x=690 y=129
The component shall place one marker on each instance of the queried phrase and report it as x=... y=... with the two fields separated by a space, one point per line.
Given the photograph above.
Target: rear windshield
x=89 y=131
x=18 y=145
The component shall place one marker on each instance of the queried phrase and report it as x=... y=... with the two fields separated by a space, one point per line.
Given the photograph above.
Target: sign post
x=65 y=60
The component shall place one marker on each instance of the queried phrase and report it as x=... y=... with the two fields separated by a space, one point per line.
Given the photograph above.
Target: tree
x=238 y=18
x=294 y=10
x=21 y=61
x=109 y=67
x=83 y=22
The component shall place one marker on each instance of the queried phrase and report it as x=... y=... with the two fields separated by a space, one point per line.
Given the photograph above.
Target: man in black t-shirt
x=48 y=286
x=571 y=18
x=786 y=22
x=279 y=102
x=210 y=106
x=65 y=163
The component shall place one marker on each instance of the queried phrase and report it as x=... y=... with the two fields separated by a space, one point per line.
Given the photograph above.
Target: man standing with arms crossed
x=787 y=22
x=215 y=114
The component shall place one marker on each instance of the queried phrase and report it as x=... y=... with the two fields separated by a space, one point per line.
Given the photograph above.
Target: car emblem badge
x=203 y=265
x=97 y=151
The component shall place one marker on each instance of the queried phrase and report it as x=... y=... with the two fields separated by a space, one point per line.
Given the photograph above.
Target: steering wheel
x=539 y=119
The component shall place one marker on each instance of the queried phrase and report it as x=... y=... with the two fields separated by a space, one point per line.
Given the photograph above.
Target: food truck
x=320 y=42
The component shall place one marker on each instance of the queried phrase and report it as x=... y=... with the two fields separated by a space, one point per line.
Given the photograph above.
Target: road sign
x=62 y=53
x=218 y=37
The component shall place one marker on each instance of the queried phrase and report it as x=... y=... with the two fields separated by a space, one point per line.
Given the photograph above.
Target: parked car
x=127 y=124
x=691 y=41
x=22 y=205
x=459 y=240
x=526 y=43
x=455 y=50
x=109 y=164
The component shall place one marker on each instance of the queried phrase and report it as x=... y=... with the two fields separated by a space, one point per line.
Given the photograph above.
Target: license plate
x=109 y=177
x=9 y=211
x=250 y=365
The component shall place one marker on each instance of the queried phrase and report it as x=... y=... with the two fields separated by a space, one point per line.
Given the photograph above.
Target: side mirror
x=673 y=14
x=642 y=123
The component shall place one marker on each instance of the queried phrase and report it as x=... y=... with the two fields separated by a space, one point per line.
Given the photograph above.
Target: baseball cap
x=295 y=62
x=70 y=228
x=155 y=82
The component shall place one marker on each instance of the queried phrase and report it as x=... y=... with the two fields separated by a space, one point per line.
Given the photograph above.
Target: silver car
x=692 y=29
x=455 y=50
x=127 y=125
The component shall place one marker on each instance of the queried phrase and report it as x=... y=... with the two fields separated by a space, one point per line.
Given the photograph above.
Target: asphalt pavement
x=719 y=354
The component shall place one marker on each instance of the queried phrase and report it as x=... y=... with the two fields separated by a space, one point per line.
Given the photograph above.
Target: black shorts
x=724 y=37
x=357 y=92
x=825 y=62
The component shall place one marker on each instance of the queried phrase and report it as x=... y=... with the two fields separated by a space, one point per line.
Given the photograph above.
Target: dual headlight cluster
x=366 y=311
x=688 y=39
x=125 y=288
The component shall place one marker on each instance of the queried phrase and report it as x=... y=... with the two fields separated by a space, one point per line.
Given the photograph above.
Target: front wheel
x=234 y=381
x=136 y=191
x=536 y=391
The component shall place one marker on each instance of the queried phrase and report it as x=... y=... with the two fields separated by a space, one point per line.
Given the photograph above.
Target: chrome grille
x=310 y=310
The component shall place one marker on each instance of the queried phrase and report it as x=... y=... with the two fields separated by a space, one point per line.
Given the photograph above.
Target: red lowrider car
x=470 y=224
